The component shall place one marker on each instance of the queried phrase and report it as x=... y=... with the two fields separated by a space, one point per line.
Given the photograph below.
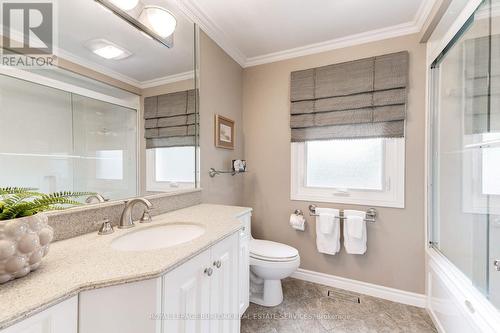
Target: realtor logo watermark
x=28 y=33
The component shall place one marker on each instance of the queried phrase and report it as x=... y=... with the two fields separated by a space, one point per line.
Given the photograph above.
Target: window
x=364 y=171
x=490 y=164
x=480 y=177
x=170 y=169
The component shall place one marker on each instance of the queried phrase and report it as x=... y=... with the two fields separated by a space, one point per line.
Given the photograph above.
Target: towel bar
x=212 y=172
x=371 y=214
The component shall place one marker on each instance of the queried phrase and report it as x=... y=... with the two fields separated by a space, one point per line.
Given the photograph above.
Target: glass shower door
x=105 y=135
x=55 y=140
x=466 y=153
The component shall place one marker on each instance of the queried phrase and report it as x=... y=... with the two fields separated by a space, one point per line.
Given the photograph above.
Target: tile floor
x=308 y=309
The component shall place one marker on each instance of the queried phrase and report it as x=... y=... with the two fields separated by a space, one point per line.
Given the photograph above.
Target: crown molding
x=124 y=78
x=195 y=13
x=337 y=43
x=402 y=29
x=167 y=79
x=114 y=74
x=423 y=13
x=97 y=68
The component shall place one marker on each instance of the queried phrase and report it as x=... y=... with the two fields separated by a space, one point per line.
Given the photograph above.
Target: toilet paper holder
x=299 y=212
x=371 y=214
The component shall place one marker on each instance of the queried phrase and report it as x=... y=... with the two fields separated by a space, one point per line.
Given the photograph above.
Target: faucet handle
x=146 y=217
x=106 y=227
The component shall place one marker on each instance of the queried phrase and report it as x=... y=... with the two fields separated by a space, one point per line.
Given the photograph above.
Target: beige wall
x=395 y=256
x=220 y=93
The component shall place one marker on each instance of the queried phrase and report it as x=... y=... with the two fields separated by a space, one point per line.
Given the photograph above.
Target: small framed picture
x=224 y=132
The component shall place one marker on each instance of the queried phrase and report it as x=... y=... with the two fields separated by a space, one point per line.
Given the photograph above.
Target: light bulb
x=125 y=4
x=158 y=19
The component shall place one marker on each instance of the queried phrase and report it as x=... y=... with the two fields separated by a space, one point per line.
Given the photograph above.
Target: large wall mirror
x=117 y=116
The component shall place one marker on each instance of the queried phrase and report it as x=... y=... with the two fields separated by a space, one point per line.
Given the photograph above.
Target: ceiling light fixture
x=155 y=21
x=109 y=52
x=158 y=19
x=125 y=4
x=107 y=49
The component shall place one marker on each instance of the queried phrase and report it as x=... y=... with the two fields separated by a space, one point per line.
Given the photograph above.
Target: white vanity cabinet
x=206 y=294
x=124 y=308
x=60 y=318
x=201 y=296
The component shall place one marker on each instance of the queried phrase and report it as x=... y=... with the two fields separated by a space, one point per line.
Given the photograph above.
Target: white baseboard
x=391 y=294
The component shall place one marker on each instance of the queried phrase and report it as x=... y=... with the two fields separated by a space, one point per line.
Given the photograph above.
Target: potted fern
x=24 y=233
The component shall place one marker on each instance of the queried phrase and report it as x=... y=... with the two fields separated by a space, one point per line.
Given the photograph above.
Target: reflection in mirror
x=117 y=113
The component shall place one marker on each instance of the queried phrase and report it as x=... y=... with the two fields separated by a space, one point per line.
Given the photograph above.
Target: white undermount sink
x=158 y=237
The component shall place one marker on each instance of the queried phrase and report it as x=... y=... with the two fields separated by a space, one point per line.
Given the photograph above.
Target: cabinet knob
x=209 y=271
x=217 y=263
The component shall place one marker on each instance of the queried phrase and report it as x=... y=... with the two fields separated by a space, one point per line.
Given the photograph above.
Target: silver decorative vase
x=23 y=244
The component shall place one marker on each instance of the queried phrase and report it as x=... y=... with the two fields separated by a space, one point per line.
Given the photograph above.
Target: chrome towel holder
x=370 y=217
x=212 y=172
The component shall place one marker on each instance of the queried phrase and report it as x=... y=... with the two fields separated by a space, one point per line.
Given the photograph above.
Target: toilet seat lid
x=267 y=249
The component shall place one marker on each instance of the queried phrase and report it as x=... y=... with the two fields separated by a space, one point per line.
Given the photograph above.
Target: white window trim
x=394 y=174
x=159 y=186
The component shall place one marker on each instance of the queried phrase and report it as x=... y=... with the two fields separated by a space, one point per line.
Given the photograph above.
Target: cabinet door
x=60 y=318
x=186 y=297
x=244 y=273
x=125 y=308
x=224 y=300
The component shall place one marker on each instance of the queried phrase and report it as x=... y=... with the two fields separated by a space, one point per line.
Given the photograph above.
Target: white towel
x=355 y=235
x=355 y=226
x=327 y=230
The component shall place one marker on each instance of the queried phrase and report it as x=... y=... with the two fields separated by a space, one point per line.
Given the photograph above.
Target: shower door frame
x=449 y=290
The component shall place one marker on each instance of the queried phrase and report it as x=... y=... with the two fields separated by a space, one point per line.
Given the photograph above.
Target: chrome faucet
x=95 y=198
x=126 y=218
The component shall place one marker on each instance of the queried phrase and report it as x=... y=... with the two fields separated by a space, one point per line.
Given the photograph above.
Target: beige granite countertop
x=88 y=261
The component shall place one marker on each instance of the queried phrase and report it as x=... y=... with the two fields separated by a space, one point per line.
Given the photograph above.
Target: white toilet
x=269 y=263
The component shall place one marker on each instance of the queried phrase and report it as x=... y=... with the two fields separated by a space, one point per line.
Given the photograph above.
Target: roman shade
x=171 y=120
x=358 y=99
x=482 y=85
